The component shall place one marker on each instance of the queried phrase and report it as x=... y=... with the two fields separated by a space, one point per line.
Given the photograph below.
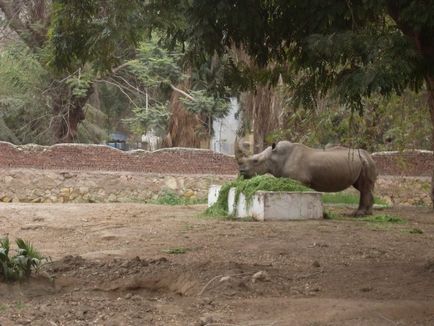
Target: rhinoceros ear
x=273 y=146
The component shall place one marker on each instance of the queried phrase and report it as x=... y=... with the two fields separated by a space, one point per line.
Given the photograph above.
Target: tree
x=355 y=49
x=71 y=78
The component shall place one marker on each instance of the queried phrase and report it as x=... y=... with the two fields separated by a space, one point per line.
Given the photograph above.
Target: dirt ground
x=133 y=264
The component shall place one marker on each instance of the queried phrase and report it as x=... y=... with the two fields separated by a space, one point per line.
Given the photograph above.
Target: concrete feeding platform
x=272 y=205
x=213 y=194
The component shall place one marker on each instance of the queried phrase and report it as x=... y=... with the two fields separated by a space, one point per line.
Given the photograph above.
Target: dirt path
x=132 y=264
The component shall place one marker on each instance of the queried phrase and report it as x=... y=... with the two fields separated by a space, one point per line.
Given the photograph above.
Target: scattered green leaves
x=383 y=219
x=176 y=250
x=347 y=198
x=415 y=231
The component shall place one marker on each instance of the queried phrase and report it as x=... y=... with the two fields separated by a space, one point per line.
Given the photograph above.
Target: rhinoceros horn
x=239 y=151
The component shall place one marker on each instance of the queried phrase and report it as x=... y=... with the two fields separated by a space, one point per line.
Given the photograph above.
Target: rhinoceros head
x=250 y=166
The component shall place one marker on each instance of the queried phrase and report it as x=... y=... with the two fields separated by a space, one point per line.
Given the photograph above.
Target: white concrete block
x=231 y=202
x=276 y=205
x=272 y=205
x=213 y=194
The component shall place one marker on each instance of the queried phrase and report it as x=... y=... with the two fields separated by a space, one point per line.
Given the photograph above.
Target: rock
x=225 y=278
x=37 y=200
x=316 y=264
x=6 y=199
x=128 y=296
x=136 y=297
x=64 y=191
x=260 y=276
x=188 y=193
x=83 y=190
x=171 y=183
x=206 y=320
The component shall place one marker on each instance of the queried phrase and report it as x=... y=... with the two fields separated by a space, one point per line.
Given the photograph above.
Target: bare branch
x=182 y=92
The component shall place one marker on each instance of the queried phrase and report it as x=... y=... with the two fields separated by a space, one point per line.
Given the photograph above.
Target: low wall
x=98 y=173
x=406 y=163
x=81 y=157
x=404 y=191
x=51 y=186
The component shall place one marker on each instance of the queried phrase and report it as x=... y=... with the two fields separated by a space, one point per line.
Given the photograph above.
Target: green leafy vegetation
x=383 y=219
x=415 y=231
x=168 y=197
x=329 y=215
x=19 y=266
x=176 y=250
x=346 y=198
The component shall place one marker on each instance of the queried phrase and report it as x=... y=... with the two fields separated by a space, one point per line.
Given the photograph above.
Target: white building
x=225 y=130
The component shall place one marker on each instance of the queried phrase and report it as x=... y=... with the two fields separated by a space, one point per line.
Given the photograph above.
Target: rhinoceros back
x=328 y=170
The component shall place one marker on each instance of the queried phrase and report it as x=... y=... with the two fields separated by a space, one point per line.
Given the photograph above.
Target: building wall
x=225 y=130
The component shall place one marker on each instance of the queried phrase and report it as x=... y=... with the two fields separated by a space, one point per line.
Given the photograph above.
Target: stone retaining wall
x=50 y=186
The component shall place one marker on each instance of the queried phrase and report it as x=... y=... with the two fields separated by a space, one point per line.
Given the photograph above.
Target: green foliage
x=202 y=103
x=354 y=48
x=388 y=123
x=21 y=265
x=346 y=198
x=383 y=219
x=176 y=251
x=415 y=231
x=168 y=197
x=155 y=118
x=23 y=111
x=85 y=32
x=154 y=66
x=158 y=70
x=329 y=215
x=267 y=183
x=80 y=83
x=346 y=50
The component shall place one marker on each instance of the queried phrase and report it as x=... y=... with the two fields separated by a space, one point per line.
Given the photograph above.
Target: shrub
x=21 y=265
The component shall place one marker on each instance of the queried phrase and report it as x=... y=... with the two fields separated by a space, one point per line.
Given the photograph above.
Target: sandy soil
x=132 y=264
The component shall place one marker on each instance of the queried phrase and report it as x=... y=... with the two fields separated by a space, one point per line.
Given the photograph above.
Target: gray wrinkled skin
x=326 y=170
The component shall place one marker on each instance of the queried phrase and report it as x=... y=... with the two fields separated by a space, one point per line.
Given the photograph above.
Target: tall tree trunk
x=68 y=111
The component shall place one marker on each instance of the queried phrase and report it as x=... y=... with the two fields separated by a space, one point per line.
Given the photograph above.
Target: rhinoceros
x=326 y=170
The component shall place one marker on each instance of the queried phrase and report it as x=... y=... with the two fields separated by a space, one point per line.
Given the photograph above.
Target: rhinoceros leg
x=365 y=184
